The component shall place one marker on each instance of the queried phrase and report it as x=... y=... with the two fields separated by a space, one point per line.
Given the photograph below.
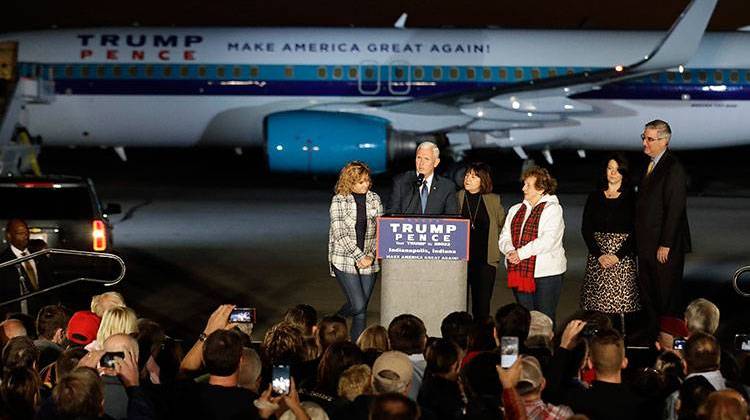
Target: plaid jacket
x=343 y=252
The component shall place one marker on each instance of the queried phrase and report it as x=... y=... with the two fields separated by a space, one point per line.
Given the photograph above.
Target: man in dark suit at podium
x=26 y=277
x=423 y=191
x=661 y=225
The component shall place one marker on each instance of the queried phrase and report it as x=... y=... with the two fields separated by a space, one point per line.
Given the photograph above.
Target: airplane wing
x=548 y=101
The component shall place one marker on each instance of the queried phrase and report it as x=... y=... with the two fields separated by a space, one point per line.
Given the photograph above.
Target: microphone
x=420 y=180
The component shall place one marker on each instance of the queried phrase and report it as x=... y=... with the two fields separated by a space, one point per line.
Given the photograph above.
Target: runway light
x=618 y=67
x=279 y=147
x=515 y=104
x=566 y=90
x=480 y=113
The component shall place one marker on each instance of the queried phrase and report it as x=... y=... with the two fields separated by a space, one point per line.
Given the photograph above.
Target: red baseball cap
x=673 y=326
x=82 y=327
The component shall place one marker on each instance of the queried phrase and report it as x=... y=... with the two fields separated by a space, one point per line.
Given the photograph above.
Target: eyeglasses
x=651 y=139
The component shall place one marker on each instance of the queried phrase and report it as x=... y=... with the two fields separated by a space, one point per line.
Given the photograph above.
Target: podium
x=423 y=267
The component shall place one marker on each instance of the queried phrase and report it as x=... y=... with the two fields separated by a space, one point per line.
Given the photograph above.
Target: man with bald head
x=11 y=328
x=25 y=277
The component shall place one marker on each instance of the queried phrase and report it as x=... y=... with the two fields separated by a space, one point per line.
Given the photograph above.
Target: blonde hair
x=354 y=381
x=374 y=337
x=107 y=300
x=702 y=315
x=117 y=320
x=350 y=175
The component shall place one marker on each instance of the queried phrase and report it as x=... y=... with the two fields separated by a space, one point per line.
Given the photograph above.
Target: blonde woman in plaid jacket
x=351 y=242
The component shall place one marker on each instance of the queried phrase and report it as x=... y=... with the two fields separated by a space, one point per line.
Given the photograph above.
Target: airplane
x=316 y=98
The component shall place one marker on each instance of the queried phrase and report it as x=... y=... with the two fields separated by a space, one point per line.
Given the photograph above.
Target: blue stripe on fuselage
x=311 y=80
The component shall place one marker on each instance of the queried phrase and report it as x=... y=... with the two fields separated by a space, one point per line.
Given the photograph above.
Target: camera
x=242 y=316
x=589 y=330
x=108 y=358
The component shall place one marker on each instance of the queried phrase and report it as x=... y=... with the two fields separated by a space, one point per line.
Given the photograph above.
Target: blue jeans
x=357 y=289
x=545 y=298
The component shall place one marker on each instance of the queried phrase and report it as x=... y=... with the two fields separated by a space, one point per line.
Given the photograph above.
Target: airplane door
x=369 y=78
x=399 y=78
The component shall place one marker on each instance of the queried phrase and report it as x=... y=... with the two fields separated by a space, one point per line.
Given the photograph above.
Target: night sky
x=570 y=14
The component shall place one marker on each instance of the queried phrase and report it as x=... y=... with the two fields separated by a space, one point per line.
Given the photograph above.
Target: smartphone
x=281 y=380
x=742 y=342
x=242 y=316
x=508 y=351
x=108 y=358
x=679 y=343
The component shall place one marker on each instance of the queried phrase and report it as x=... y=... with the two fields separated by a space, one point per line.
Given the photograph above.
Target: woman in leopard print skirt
x=610 y=282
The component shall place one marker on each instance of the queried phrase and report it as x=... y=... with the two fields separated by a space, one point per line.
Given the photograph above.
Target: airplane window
x=734 y=76
x=453 y=73
x=686 y=76
x=570 y=71
x=254 y=71
x=655 y=77
x=471 y=74
x=503 y=74
x=117 y=71
x=552 y=72
x=418 y=73
x=486 y=73
x=236 y=72
x=338 y=72
x=437 y=73
x=184 y=71
x=68 y=71
x=518 y=73
x=398 y=72
x=353 y=72
x=322 y=72
x=718 y=76
x=289 y=72
x=85 y=71
x=702 y=76
x=220 y=72
x=670 y=77
x=132 y=71
x=369 y=73
x=149 y=70
x=167 y=71
x=535 y=74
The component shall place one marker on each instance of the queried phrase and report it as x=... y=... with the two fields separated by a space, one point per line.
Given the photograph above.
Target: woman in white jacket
x=531 y=241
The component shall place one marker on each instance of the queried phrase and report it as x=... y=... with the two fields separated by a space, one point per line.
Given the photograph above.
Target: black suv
x=63 y=211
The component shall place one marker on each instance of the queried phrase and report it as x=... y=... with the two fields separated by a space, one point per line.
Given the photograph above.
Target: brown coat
x=496 y=214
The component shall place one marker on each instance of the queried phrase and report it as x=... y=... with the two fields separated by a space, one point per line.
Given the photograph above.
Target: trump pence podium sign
x=422 y=238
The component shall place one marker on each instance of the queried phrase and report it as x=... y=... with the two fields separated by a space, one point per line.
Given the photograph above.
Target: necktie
x=30 y=273
x=423 y=196
x=650 y=168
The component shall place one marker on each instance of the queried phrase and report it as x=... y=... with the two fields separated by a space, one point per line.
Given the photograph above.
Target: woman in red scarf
x=531 y=241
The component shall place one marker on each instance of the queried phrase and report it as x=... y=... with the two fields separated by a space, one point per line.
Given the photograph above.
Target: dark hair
x=394 y=406
x=303 y=315
x=407 y=334
x=544 y=181
x=623 y=167
x=441 y=355
x=151 y=338
x=337 y=358
x=50 y=318
x=20 y=392
x=456 y=327
x=79 y=394
x=702 y=353
x=20 y=352
x=693 y=393
x=222 y=351
x=480 y=337
x=484 y=173
x=331 y=329
x=480 y=375
x=513 y=320
x=68 y=361
x=283 y=344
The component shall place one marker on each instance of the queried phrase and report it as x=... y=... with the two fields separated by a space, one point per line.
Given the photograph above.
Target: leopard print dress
x=614 y=289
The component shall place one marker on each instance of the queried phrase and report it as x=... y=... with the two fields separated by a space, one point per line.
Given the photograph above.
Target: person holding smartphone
x=351 y=241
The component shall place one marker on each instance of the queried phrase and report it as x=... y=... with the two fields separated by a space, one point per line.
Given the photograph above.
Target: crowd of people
x=104 y=363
